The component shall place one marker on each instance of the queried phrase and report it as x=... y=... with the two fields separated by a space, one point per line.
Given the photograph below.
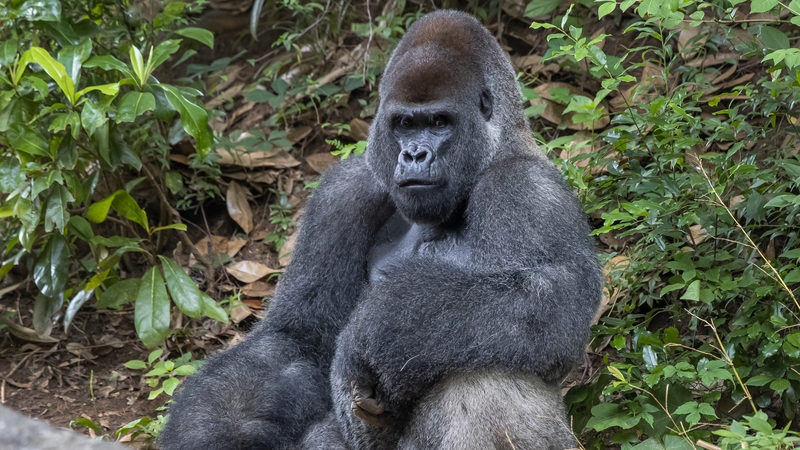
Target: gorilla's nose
x=418 y=158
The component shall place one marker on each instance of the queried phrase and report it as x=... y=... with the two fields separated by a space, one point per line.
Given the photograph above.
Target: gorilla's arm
x=523 y=301
x=266 y=391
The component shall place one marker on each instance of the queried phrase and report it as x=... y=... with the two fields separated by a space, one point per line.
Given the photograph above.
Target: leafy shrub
x=696 y=189
x=80 y=111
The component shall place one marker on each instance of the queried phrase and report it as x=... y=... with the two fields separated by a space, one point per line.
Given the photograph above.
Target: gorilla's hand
x=367 y=406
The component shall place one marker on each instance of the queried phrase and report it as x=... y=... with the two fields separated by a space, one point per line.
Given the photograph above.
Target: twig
x=176 y=217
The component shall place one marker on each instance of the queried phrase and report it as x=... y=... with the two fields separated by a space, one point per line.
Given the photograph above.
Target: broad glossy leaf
x=162 y=52
x=760 y=6
x=108 y=62
x=182 y=288
x=151 y=316
x=39 y=10
x=134 y=104
x=26 y=139
x=213 y=310
x=8 y=51
x=108 y=89
x=10 y=174
x=540 y=7
x=81 y=228
x=51 y=271
x=75 y=304
x=56 y=208
x=198 y=34
x=63 y=120
x=92 y=117
x=73 y=56
x=194 y=118
x=53 y=68
x=122 y=203
x=137 y=63
x=67 y=157
x=119 y=294
x=44 y=308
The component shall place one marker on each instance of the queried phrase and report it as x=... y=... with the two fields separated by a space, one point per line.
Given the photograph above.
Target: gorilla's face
x=429 y=155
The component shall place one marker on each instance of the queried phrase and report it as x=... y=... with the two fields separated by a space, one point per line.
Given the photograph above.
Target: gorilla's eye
x=406 y=122
x=440 y=121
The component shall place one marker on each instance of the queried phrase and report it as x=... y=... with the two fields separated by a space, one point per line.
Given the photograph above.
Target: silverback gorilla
x=441 y=286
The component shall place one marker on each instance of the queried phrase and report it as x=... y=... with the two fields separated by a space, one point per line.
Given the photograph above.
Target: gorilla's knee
x=490 y=410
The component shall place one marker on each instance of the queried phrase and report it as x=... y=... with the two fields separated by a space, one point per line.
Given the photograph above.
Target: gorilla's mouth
x=417 y=183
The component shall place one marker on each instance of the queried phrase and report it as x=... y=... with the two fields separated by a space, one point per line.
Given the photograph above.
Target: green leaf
x=75 y=304
x=39 y=10
x=44 y=307
x=119 y=294
x=198 y=34
x=151 y=316
x=8 y=51
x=172 y=226
x=540 y=7
x=137 y=63
x=169 y=385
x=793 y=254
x=213 y=310
x=760 y=6
x=51 y=271
x=607 y=415
x=25 y=139
x=606 y=9
x=759 y=380
x=108 y=62
x=53 y=68
x=182 y=288
x=771 y=37
x=185 y=370
x=10 y=174
x=154 y=355
x=56 y=208
x=174 y=181
x=162 y=52
x=135 y=364
x=123 y=204
x=692 y=291
x=194 y=118
x=780 y=385
x=62 y=120
x=92 y=117
x=107 y=89
x=73 y=56
x=134 y=104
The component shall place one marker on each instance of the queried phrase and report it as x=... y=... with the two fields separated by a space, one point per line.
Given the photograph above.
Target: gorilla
x=442 y=284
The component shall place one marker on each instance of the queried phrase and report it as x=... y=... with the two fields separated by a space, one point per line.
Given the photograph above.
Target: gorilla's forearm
x=534 y=320
x=328 y=270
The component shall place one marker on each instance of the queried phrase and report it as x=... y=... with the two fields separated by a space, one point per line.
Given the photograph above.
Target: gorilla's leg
x=324 y=435
x=260 y=394
x=490 y=410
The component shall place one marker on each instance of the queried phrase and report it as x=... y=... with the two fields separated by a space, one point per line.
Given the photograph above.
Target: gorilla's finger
x=376 y=420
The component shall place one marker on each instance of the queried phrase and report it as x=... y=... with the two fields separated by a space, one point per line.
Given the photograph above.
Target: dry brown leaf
x=262 y=177
x=514 y=8
x=258 y=289
x=738 y=81
x=298 y=134
x=238 y=207
x=713 y=60
x=182 y=159
x=769 y=253
x=359 y=129
x=239 y=156
x=698 y=234
x=735 y=200
x=227 y=94
x=320 y=161
x=530 y=63
x=686 y=35
x=285 y=255
x=81 y=351
x=250 y=271
x=219 y=244
x=240 y=312
x=234 y=245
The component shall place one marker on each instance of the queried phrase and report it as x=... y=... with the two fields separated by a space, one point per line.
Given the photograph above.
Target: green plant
x=702 y=314
x=164 y=372
x=75 y=123
x=280 y=215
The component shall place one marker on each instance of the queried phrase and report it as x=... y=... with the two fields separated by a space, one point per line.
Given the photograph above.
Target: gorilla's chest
x=400 y=239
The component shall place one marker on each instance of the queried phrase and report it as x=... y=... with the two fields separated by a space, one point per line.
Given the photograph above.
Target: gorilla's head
x=448 y=99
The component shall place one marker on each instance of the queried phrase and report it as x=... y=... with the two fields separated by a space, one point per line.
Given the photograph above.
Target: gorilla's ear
x=486 y=104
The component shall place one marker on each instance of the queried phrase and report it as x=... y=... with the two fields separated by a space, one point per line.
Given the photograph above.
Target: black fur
x=449 y=268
